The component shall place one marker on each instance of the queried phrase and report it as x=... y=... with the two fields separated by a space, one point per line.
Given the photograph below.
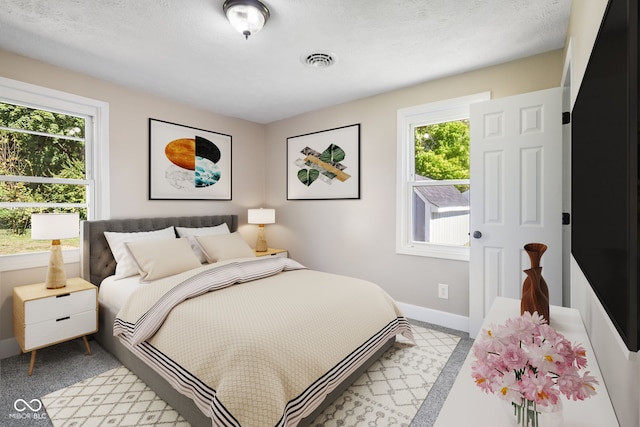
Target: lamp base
x=261 y=243
x=56 y=278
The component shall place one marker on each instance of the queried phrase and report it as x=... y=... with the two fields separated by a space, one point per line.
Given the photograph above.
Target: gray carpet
x=56 y=367
x=65 y=364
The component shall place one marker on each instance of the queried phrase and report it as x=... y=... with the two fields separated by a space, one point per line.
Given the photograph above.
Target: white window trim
x=408 y=119
x=17 y=92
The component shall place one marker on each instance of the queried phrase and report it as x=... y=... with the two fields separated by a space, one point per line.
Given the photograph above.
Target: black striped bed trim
x=205 y=397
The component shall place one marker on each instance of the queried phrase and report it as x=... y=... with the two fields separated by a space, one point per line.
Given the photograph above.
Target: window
x=433 y=178
x=53 y=149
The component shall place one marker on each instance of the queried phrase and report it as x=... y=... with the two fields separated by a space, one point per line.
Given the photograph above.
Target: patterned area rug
x=393 y=388
x=388 y=394
x=113 y=398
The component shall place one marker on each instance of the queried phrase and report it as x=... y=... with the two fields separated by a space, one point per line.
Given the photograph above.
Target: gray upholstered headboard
x=96 y=259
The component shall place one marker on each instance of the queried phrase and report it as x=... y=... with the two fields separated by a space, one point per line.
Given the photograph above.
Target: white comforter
x=259 y=342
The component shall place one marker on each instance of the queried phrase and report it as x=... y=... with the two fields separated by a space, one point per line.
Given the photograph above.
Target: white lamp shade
x=262 y=216
x=55 y=226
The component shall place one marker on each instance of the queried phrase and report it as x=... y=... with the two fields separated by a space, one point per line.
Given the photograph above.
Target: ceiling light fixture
x=246 y=16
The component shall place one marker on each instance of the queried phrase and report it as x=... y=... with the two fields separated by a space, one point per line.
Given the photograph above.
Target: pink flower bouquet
x=526 y=362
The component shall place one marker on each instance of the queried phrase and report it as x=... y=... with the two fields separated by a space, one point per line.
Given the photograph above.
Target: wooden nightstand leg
x=33 y=362
x=86 y=344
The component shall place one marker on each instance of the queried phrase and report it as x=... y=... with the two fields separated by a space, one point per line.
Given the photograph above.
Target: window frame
x=407 y=120
x=96 y=162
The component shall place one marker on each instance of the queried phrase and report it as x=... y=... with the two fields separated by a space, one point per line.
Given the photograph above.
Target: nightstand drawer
x=55 y=330
x=55 y=307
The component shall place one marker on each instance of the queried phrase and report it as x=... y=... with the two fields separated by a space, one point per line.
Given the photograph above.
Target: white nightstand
x=273 y=252
x=43 y=317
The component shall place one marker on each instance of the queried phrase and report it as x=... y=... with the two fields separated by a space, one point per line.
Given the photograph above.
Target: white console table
x=467 y=405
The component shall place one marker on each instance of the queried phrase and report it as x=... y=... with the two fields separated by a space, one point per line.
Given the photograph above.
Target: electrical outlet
x=443 y=291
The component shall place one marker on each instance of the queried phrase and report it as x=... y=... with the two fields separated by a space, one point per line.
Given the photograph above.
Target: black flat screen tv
x=604 y=170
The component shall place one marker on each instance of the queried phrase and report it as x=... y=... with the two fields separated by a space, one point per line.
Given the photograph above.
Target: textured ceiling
x=187 y=50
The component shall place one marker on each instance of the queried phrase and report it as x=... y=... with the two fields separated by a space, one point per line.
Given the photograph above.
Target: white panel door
x=516 y=196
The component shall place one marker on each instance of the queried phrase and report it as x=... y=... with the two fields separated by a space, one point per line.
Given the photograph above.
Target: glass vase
x=528 y=414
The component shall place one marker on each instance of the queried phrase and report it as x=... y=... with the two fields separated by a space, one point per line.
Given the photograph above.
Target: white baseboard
x=9 y=347
x=441 y=318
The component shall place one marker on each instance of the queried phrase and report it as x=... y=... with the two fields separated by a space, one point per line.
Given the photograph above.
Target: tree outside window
x=442 y=150
x=42 y=169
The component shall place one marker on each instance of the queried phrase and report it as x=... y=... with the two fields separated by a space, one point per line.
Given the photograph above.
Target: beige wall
x=129 y=112
x=357 y=237
x=584 y=23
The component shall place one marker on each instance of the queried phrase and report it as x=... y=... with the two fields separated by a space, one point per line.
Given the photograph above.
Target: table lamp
x=262 y=217
x=55 y=227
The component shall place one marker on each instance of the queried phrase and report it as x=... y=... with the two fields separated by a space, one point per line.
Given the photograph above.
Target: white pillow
x=161 y=258
x=125 y=265
x=190 y=234
x=218 y=247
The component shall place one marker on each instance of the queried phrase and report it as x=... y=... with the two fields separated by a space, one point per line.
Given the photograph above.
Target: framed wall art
x=188 y=163
x=324 y=165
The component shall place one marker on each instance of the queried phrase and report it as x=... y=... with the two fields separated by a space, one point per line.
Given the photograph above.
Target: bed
x=198 y=392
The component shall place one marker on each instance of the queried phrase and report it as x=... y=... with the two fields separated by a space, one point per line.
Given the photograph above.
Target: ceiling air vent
x=319 y=60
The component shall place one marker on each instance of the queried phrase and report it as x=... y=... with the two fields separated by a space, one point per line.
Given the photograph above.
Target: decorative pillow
x=191 y=233
x=224 y=246
x=161 y=258
x=125 y=265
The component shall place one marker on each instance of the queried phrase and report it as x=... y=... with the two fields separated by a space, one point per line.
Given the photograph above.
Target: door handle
x=477 y=234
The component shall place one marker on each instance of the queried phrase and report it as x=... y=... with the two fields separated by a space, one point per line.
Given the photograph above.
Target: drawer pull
x=63 y=295
x=63 y=318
